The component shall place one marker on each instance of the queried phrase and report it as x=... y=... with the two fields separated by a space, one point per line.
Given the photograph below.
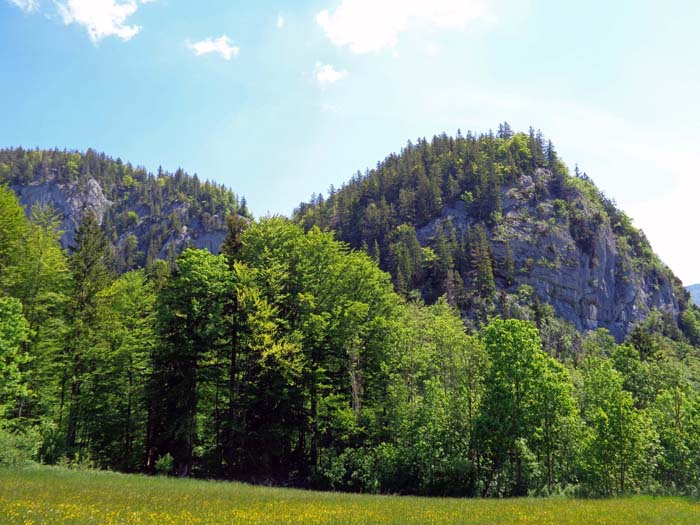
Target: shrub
x=17 y=449
x=164 y=465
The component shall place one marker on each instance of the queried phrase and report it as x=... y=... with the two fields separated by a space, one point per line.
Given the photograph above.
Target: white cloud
x=372 y=25
x=101 y=18
x=280 y=22
x=326 y=74
x=222 y=45
x=26 y=5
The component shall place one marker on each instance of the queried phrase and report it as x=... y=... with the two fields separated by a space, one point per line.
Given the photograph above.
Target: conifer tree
x=89 y=268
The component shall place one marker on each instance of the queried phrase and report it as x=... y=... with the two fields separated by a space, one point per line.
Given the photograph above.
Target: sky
x=281 y=99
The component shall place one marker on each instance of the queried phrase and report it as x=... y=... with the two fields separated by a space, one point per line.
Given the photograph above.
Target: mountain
x=694 y=291
x=146 y=216
x=497 y=223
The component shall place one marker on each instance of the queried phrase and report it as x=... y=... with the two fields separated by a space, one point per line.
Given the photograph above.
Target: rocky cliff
x=69 y=199
x=596 y=282
x=145 y=216
x=495 y=221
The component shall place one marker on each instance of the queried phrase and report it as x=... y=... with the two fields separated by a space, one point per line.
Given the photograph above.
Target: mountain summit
x=497 y=223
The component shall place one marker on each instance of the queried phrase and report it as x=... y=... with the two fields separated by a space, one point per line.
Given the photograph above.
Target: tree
x=40 y=279
x=334 y=303
x=527 y=408
x=482 y=263
x=88 y=264
x=14 y=331
x=433 y=395
x=504 y=131
x=675 y=416
x=13 y=233
x=620 y=448
x=190 y=321
x=113 y=394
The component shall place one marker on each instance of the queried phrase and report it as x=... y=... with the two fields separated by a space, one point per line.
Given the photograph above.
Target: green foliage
x=164 y=465
x=289 y=358
x=14 y=331
x=528 y=420
x=17 y=449
x=149 y=206
x=13 y=228
x=620 y=446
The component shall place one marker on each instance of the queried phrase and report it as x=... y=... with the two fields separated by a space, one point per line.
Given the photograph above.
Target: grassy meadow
x=57 y=496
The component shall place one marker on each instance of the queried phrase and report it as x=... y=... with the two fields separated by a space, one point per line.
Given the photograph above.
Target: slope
x=145 y=216
x=496 y=222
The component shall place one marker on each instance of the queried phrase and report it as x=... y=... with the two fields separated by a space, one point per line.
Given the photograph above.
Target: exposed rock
x=600 y=288
x=70 y=199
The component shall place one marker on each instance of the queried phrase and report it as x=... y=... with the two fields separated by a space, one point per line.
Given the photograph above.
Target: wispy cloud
x=102 y=18
x=280 y=21
x=222 y=45
x=372 y=25
x=26 y=5
x=326 y=74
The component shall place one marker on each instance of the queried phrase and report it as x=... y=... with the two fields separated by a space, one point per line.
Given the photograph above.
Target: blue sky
x=279 y=99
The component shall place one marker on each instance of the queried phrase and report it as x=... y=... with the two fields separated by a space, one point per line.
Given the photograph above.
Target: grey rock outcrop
x=70 y=199
x=600 y=285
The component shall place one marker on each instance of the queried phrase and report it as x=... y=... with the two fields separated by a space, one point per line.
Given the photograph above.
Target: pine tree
x=482 y=264
x=88 y=264
x=236 y=225
x=504 y=131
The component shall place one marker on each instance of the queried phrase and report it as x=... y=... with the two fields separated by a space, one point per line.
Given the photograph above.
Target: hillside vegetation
x=144 y=216
x=291 y=359
x=489 y=219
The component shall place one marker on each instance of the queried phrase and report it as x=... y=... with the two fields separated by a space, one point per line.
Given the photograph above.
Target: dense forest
x=291 y=358
x=145 y=216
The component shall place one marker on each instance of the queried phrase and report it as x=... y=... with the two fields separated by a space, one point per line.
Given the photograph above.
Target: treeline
x=148 y=210
x=289 y=359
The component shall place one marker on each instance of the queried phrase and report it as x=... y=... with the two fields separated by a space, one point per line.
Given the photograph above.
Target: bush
x=17 y=449
x=164 y=465
x=351 y=470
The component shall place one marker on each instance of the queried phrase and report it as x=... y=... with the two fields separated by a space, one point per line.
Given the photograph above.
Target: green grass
x=57 y=496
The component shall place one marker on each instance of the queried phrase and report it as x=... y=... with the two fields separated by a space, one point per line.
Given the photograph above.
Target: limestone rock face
x=595 y=284
x=72 y=199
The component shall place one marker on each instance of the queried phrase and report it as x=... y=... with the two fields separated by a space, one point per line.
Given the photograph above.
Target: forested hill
x=288 y=358
x=498 y=224
x=145 y=216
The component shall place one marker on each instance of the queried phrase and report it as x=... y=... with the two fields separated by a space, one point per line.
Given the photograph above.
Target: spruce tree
x=482 y=263
x=89 y=268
